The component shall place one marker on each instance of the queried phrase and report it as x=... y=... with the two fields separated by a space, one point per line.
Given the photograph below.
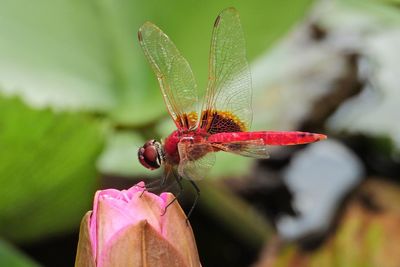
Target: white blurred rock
x=319 y=176
x=289 y=78
x=376 y=110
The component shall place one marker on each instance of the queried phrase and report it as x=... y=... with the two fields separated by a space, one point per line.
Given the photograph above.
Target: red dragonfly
x=226 y=112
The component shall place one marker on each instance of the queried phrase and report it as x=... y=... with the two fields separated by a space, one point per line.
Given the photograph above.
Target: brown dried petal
x=141 y=245
x=84 y=254
x=178 y=232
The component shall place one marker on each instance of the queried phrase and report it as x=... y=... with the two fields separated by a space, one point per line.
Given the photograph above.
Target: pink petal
x=113 y=194
x=114 y=210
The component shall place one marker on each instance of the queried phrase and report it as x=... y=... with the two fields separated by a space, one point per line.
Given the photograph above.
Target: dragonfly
x=225 y=117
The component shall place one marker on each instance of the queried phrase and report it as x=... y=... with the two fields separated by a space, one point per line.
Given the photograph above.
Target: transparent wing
x=174 y=75
x=229 y=81
x=196 y=160
x=250 y=148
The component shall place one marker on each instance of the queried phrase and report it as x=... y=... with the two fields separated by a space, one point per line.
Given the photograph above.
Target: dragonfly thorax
x=151 y=154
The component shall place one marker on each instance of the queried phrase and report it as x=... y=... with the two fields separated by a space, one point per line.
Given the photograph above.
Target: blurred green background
x=77 y=98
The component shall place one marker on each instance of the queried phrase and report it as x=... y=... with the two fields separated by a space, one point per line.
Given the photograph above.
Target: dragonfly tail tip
x=322 y=137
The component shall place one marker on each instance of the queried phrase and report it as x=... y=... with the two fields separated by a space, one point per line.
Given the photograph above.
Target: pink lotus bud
x=127 y=228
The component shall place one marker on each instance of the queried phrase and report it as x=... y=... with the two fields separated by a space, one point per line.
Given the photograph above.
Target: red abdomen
x=273 y=138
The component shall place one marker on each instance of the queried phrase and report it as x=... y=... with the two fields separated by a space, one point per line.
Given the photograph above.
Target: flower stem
x=236 y=214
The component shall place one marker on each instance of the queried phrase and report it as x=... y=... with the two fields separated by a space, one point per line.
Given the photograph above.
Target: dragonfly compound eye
x=150 y=155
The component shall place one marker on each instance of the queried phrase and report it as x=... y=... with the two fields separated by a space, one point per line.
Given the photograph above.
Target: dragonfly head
x=150 y=154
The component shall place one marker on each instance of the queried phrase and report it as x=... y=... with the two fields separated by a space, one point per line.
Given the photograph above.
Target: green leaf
x=55 y=53
x=11 y=257
x=230 y=165
x=120 y=156
x=47 y=169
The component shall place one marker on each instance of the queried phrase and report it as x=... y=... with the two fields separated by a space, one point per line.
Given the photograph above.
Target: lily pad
x=120 y=156
x=47 y=169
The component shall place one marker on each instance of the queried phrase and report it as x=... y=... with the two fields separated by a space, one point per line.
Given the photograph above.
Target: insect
x=226 y=113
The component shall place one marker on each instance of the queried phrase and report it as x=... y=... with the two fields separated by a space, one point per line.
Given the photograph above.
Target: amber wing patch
x=187 y=121
x=214 y=121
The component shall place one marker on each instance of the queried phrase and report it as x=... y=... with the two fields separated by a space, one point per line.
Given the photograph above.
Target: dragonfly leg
x=150 y=186
x=178 y=180
x=195 y=200
x=160 y=183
